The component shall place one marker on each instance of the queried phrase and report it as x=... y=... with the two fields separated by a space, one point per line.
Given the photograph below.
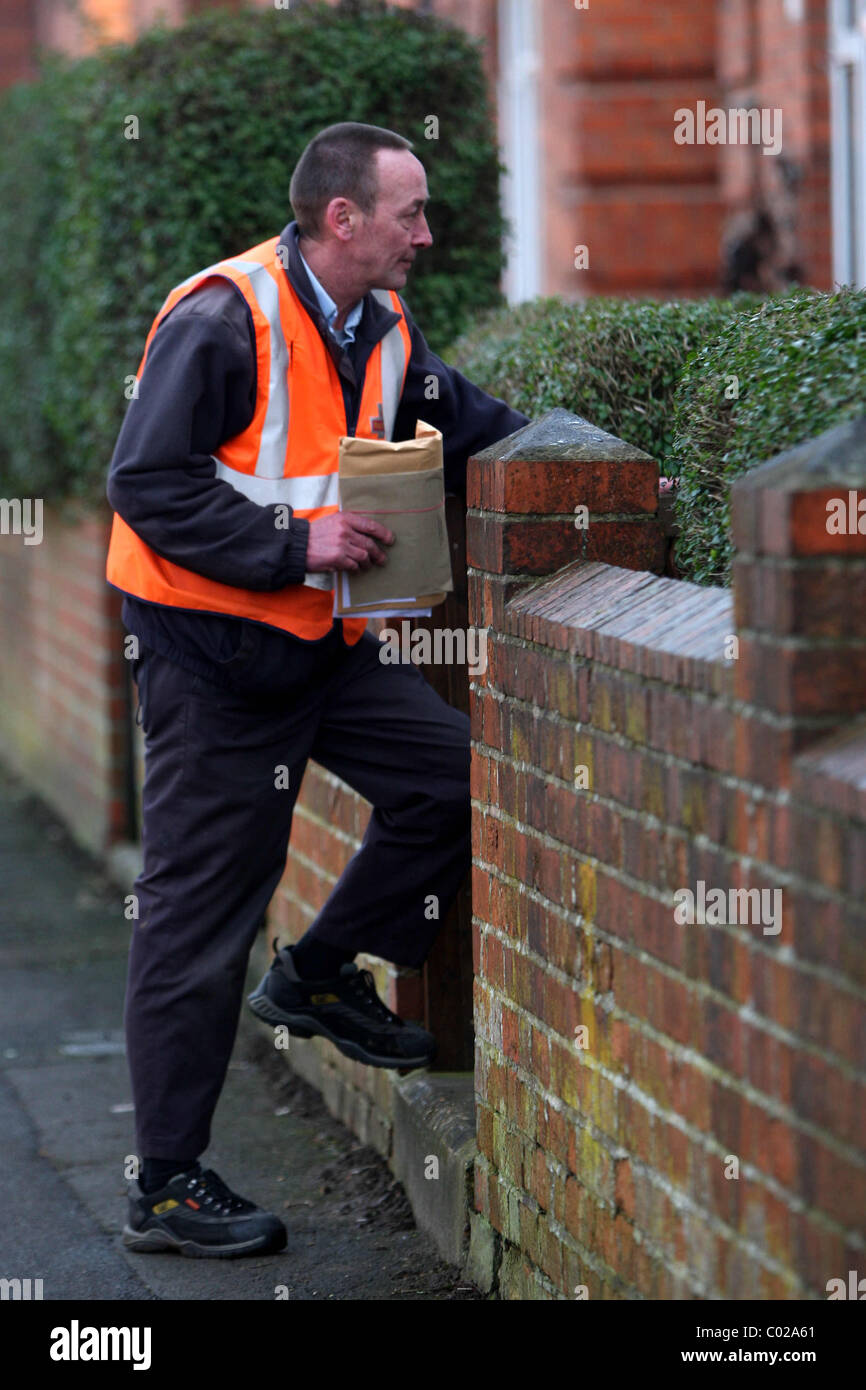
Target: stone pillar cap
x=559 y=435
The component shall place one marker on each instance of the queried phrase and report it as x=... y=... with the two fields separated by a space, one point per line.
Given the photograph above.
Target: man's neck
x=344 y=294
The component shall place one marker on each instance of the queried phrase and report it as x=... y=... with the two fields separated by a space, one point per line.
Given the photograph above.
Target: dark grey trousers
x=216 y=822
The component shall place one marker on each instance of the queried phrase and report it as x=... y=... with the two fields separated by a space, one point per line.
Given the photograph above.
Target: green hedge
x=656 y=375
x=800 y=367
x=96 y=228
x=617 y=362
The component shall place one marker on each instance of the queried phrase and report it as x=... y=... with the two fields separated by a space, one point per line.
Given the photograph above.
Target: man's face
x=386 y=243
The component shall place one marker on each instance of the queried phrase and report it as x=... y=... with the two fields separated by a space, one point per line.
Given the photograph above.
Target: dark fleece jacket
x=198 y=389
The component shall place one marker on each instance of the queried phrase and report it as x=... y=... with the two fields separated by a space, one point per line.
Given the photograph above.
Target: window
x=848 y=139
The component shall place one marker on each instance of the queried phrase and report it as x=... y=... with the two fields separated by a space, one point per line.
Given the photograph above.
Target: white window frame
x=519 y=65
x=848 y=141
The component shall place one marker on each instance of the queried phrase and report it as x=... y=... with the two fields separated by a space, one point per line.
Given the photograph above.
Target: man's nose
x=423 y=237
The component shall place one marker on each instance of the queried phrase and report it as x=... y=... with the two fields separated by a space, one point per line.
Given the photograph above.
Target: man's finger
x=359 y=553
x=369 y=527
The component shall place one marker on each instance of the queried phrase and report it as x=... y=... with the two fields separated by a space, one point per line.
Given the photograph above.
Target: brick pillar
x=523 y=494
x=800 y=598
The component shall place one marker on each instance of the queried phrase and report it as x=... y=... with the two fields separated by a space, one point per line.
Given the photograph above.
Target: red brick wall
x=655 y=216
x=604 y=1167
x=63 y=701
x=648 y=210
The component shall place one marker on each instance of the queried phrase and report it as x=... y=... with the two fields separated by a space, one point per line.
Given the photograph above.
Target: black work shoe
x=345 y=1009
x=197 y=1215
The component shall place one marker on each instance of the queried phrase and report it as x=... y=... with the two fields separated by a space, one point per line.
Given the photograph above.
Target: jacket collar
x=375 y=322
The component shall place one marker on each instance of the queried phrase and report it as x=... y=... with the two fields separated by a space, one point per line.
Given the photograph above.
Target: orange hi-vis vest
x=287 y=454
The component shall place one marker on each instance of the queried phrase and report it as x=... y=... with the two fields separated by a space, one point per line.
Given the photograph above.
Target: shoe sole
x=302 y=1026
x=155 y=1241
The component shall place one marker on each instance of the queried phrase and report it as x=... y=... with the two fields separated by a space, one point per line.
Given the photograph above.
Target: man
x=225 y=541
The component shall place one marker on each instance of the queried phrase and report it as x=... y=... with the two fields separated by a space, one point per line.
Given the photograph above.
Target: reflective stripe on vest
x=287 y=454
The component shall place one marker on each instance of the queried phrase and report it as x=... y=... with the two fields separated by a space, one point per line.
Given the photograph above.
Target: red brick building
x=601 y=197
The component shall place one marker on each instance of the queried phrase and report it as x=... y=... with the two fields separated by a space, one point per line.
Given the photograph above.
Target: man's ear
x=341 y=218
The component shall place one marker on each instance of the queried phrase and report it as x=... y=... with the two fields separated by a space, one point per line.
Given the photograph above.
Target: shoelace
x=365 y=985
x=214 y=1193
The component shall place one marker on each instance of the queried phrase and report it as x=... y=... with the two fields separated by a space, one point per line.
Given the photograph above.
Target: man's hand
x=346 y=541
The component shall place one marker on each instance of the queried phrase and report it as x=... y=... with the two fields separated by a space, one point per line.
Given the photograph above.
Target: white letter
x=837 y=518
x=684 y=913
x=717 y=903
x=389 y=651
x=420 y=652
x=477 y=659
x=141 y=1353
x=60 y=1344
x=769 y=125
x=685 y=135
x=31 y=531
x=775 y=920
x=717 y=127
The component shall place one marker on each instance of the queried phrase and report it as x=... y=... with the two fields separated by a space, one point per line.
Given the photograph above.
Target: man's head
x=359 y=195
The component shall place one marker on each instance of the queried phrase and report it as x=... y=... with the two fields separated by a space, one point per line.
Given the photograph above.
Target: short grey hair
x=339 y=162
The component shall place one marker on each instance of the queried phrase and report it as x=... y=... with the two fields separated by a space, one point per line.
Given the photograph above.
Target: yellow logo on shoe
x=165 y=1206
x=324 y=998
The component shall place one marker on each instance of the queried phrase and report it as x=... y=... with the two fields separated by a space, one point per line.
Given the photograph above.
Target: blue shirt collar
x=343 y=335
